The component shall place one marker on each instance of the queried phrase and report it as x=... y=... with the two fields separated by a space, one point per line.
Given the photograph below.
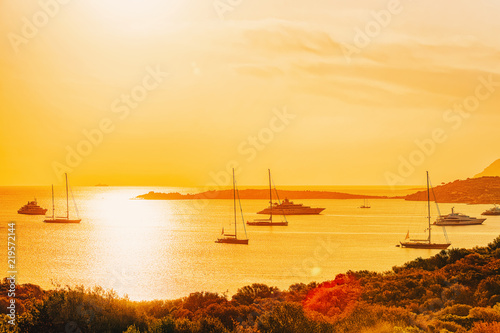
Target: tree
x=288 y=318
x=335 y=297
x=248 y=294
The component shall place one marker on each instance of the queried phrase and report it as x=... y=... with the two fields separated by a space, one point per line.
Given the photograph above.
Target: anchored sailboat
x=65 y=219
x=269 y=221
x=364 y=205
x=233 y=238
x=426 y=243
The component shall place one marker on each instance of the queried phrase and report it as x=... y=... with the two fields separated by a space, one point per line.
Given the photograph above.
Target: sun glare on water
x=117 y=209
x=131 y=235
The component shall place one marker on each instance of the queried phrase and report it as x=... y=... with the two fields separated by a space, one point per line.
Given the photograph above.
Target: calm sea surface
x=166 y=249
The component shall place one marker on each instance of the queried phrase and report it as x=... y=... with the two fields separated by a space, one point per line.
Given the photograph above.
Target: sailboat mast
x=234 y=201
x=270 y=196
x=53 y=206
x=428 y=207
x=67 y=197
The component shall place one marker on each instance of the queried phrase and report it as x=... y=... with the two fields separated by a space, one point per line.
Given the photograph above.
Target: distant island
x=483 y=190
x=255 y=194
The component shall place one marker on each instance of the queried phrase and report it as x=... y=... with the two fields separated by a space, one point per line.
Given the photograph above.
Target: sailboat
x=233 y=238
x=426 y=243
x=269 y=221
x=364 y=205
x=66 y=218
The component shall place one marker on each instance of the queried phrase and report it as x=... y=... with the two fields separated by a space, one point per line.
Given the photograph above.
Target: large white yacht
x=457 y=219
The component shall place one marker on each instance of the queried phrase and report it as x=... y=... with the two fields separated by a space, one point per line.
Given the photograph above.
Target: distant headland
x=255 y=194
x=483 y=190
x=493 y=170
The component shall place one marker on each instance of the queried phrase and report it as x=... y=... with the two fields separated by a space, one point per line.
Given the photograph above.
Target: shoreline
x=260 y=194
x=484 y=190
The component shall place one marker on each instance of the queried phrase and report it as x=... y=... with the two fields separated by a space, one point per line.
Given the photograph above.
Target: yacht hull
x=268 y=224
x=491 y=213
x=459 y=223
x=40 y=212
x=425 y=245
x=232 y=241
x=291 y=211
x=61 y=221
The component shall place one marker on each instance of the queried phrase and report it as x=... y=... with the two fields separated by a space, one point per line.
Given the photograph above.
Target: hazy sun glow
x=173 y=93
x=133 y=11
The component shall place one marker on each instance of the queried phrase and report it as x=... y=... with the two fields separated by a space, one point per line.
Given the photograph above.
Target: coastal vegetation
x=457 y=290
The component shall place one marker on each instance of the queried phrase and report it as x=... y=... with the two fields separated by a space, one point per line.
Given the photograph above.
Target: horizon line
x=221 y=186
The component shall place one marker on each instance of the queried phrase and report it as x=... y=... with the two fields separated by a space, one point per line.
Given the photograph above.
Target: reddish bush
x=334 y=298
x=486 y=328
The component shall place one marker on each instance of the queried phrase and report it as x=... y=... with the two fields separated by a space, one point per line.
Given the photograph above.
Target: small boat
x=289 y=208
x=456 y=219
x=492 y=211
x=269 y=222
x=364 y=205
x=233 y=238
x=32 y=208
x=65 y=219
x=426 y=243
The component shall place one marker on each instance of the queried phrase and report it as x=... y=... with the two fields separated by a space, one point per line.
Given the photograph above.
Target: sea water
x=150 y=249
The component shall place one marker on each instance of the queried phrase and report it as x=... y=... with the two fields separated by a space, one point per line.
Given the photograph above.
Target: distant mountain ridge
x=493 y=170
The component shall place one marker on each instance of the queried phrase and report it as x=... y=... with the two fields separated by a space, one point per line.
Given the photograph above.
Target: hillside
x=493 y=170
x=484 y=190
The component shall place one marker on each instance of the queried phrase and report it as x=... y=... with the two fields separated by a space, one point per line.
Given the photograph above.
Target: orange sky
x=182 y=89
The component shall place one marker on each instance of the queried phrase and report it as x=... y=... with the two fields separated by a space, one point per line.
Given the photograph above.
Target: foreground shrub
x=290 y=317
x=486 y=328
